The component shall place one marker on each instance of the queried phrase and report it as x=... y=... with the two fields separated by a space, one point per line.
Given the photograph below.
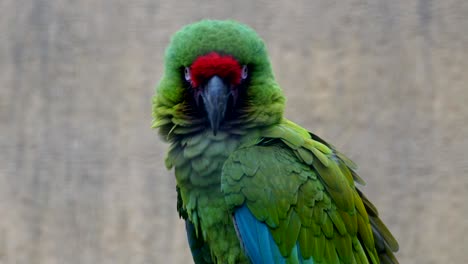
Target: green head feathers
x=175 y=108
x=206 y=36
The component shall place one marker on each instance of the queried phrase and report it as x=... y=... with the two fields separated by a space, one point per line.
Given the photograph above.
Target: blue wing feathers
x=258 y=242
x=254 y=236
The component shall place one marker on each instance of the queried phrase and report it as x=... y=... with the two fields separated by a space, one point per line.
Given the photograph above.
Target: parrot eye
x=188 y=78
x=245 y=72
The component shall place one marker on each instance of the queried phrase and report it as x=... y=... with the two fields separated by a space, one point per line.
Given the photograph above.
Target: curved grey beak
x=215 y=96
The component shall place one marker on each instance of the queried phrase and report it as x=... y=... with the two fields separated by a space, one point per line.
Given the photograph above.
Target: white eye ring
x=187 y=74
x=245 y=72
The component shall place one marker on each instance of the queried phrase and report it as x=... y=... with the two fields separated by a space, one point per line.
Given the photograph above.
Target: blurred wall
x=81 y=173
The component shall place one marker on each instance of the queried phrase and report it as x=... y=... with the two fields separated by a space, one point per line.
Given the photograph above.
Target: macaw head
x=217 y=76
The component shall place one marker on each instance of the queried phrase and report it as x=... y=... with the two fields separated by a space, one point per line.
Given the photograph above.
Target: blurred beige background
x=81 y=173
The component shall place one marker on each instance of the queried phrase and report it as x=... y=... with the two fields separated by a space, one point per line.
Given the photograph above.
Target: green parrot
x=252 y=186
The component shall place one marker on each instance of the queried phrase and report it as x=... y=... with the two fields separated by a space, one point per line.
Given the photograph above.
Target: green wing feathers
x=303 y=189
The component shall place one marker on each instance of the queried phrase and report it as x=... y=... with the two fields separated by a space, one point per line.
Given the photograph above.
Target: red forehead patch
x=211 y=64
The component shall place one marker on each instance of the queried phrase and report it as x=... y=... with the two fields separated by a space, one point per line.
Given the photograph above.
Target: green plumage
x=291 y=180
